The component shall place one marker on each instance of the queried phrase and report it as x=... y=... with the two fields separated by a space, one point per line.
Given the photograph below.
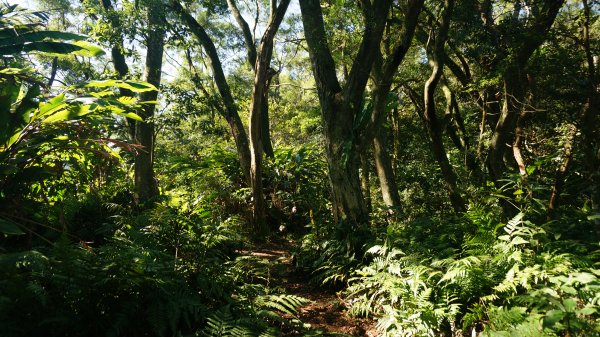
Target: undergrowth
x=518 y=279
x=161 y=272
x=468 y=276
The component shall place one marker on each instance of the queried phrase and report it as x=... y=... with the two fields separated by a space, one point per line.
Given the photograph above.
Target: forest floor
x=326 y=312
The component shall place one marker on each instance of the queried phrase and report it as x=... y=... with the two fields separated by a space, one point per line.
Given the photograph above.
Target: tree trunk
x=433 y=126
x=349 y=206
x=340 y=108
x=365 y=183
x=560 y=174
x=231 y=112
x=262 y=78
x=589 y=124
x=145 y=183
x=267 y=147
x=514 y=79
x=382 y=73
x=119 y=62
x=504 y=132
x=385 y=173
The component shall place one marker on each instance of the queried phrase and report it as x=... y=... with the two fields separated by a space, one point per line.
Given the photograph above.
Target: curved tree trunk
x=588 y=125
x=231 y=112
x=514 y=79
x=383 y=73
x=433 y=125
x=262 y=78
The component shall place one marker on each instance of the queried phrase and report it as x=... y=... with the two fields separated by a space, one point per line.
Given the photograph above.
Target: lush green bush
x=515 y=279
x=161 y=272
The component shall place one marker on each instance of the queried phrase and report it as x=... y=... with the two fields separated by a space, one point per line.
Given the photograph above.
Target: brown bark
x=589 y=119
x=455 y=127
x=365 y=183
x=503 y=136
x=383 y=72
x=385 y=172
x=340 y=105
x=53 y=71
x=434 y=129
x=145 y=184
x=262 y=79
x=516 y=147
x=531 y=36
x=246 y=33
x=251 y=50
x=231 y=113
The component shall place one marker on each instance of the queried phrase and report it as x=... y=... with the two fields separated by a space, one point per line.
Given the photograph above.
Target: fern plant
x=513 y=279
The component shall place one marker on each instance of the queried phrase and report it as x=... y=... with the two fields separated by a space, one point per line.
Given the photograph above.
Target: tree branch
x=248 y=38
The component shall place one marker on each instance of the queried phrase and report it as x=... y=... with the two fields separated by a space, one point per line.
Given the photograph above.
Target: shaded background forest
x=435 y=162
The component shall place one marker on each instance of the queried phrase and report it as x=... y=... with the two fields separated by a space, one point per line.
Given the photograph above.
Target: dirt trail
x=326 y=312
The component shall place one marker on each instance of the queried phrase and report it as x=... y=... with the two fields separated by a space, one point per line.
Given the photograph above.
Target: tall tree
x=434 y=129
x=117 y=53
x=587 y=125
x=259 y=106
x=145 y=183
x=250 y=149
x=341 y=104
x=231 y=113
x=384 y=69
x=519 y=36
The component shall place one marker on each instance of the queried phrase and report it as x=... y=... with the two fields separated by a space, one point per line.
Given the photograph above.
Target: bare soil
x=326 y=313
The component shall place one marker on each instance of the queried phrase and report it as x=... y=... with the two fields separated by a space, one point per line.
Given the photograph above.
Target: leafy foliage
x=523 y=282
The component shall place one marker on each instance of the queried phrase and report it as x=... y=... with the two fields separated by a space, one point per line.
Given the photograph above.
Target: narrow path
x=326 y=312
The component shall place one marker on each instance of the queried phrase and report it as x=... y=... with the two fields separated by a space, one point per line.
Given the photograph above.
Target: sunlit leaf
x=68 y=114
x=130 y=85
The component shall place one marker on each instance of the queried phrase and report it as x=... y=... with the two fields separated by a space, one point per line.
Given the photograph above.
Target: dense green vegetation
x=437 y=163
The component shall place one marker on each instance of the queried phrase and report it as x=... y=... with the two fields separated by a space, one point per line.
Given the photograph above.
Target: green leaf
x=518 y=241
x=13 y=37
x=133 y=116
x=51 y=47
x=570 y=304
x=552 y=317
x=88 y=49
x=568 y=290
x=586 y=311
x=68 y=114
x=130 y=85
x=53 y=105
x=585 y=278
x=9 y=227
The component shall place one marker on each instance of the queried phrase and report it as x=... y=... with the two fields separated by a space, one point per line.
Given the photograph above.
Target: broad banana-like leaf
x=52 y=47
x=87 y=49
x=10 y=37
x=9 y=227
x=52 y=106
x=70 y=113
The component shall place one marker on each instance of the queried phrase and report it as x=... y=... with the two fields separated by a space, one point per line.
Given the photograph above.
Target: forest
x=179 y=168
